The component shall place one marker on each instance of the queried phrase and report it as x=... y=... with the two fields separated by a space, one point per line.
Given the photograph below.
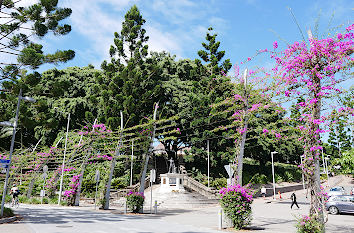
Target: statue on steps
x=172 y=167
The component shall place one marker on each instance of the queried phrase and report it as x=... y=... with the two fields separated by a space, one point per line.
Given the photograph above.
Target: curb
x=8 y=220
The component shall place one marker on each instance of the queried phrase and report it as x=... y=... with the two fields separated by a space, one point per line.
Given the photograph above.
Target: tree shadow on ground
x=66 y=215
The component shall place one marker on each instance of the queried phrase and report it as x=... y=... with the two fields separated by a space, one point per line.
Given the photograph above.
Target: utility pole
x=131 y=164
x=11 y=151
x=143 y=176
x=208 y=161
x=242 y=147
x=14 y=126
x=302 y=173
x=272 y=155
x=117 y=154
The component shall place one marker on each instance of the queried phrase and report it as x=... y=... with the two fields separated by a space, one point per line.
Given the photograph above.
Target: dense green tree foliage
x=58 y=92
x=197 y=94
x=130 y=81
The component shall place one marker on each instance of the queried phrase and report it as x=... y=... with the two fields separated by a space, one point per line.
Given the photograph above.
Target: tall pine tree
x=130 y=82
x=20 y=24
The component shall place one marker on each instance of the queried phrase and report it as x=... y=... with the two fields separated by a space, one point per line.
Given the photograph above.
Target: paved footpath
x=49 y=219
x=268 y=216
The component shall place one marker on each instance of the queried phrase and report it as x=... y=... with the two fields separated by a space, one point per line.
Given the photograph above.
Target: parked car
x=335 y=191
x=352 y=191
x=340 y=204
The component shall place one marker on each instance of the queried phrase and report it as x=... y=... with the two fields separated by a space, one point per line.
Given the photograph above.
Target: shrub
x=8 y=198
x=102 y=202
x=219 y=183
x=23 y=199
x=259 y=179
x=8 y=212
x=236 y=202
x=53 y=200
x=288 y=176
x=308 y=224
x=278 y=178
x=119 y=182
x=34 y=200
x=45 y=200
x=135 y=201
x=64 y=203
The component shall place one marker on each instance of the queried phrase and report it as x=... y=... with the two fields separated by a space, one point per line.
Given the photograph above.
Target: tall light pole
x=14 y=125
x=62 y=166
x=244 y=134
x=326 y=163
x=271 y=154
x=131 y=164
x=208 y=162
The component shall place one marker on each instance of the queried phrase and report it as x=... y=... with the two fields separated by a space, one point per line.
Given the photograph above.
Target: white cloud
x=173 y=26
x=159 y=41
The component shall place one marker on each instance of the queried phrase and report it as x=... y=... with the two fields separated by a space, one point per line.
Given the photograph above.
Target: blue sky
x=179 y=26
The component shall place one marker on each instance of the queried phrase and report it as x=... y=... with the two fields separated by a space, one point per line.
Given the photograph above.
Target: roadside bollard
x=220 y=219
x=155 y=207
x=125 y=207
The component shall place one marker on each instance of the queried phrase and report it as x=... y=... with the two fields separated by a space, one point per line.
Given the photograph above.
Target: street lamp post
x=14 y=125
x=272 y=153
x=326 y=163
x=208 y=162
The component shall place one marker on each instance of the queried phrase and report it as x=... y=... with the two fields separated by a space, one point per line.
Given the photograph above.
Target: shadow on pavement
x=66 y=215
x=62 y=216
x=339 y=228
x=270 y=221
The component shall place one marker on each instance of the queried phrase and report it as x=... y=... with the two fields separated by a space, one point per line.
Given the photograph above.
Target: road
x=49 y=219
x=278 y=217
x=268 y=216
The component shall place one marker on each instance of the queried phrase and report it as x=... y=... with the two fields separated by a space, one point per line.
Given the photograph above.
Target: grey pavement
x=49 y=219
x=268 y=216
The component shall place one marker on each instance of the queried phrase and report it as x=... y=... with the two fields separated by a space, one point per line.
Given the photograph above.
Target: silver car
x=340 y=204
x=335 y=191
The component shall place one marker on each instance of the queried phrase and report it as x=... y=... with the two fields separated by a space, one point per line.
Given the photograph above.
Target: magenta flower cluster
x=97 y=129
x=73 y=187
x=235 y=190
x=132 y=193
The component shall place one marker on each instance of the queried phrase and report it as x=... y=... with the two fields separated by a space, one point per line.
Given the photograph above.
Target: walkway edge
x=8 y=220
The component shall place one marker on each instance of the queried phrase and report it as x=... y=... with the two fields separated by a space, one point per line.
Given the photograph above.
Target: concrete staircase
x=176 y=200
x=172 y=200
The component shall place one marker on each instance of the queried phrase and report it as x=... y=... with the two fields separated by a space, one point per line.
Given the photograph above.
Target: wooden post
x=117 y=154
x=143 y=176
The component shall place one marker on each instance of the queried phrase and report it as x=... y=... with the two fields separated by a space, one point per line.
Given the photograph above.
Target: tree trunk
x=30 y=188
x=316 y=204
x=240 y=157
x=78 y=191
